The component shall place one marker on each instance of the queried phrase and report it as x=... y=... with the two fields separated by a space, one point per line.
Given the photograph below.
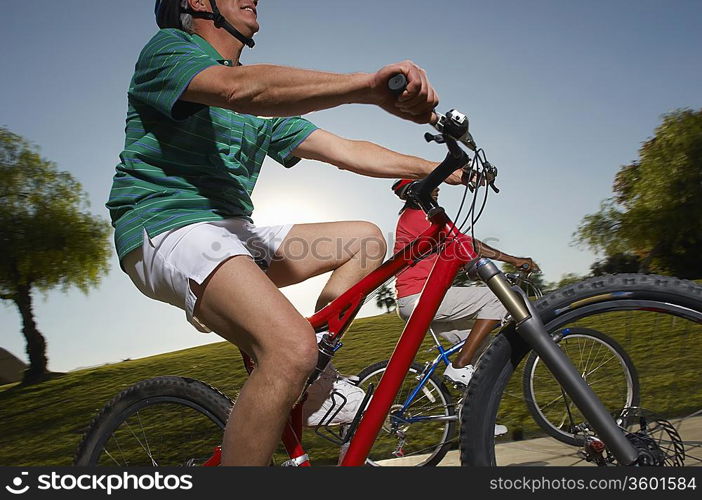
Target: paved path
x=547 y=451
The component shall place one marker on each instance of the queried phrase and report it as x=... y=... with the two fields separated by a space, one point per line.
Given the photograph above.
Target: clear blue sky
x=560 y=94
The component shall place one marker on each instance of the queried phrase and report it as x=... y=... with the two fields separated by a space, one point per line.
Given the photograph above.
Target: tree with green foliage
x=656 y=211
x=385 y=298
x=617 y=263
x=47 y=238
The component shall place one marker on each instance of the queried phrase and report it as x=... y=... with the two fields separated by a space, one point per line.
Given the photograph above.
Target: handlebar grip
x=524 y=271
x=397 y=84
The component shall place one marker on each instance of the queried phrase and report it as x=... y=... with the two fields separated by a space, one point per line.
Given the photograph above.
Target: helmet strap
x=220 y=22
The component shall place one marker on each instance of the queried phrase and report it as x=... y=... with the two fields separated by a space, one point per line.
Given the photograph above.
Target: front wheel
x=658 y=322
x=163 y=421
x=420 y=429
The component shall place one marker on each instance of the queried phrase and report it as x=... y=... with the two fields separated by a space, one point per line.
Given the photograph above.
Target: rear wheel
x=418 y=432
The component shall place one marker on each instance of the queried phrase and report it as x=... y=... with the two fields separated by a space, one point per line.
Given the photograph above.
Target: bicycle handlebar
x=453 y=128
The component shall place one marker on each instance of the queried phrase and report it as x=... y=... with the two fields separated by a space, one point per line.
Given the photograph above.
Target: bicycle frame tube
x=337 y=315
x=443 y=356
x=452 y=257
x=446 y=353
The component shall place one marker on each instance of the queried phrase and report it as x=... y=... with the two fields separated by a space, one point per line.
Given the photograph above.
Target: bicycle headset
x=168 y=16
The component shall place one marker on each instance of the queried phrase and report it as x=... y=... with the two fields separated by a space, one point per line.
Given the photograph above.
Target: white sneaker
x=320 y=398
x=459 y=375
x=500 y=429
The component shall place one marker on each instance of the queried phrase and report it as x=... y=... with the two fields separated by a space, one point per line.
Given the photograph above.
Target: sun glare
x=283 y=209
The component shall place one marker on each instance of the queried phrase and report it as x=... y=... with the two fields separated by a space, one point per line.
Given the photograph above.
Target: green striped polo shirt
x=182 y=162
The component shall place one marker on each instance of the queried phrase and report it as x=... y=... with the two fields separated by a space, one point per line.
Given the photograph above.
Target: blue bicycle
x=422 y=424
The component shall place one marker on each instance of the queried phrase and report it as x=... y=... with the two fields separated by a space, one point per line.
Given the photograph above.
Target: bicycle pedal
x=456 y=385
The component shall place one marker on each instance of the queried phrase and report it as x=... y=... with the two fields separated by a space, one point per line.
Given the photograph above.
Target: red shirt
x=412 y=223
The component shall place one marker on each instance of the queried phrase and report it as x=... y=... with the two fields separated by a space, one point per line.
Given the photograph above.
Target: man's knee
x=295 y=358
x=373 y=244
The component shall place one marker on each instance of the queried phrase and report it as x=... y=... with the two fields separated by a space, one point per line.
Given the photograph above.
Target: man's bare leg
x=240 y=303
x=350 y=249
x=283 y=343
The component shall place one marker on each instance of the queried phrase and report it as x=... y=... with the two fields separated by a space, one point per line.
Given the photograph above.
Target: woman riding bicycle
x=461 y=305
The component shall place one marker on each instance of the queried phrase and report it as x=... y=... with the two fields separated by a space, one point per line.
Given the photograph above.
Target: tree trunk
x=36 y=345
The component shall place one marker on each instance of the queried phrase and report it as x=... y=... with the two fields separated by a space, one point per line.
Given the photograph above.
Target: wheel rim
x=403 y=433
x=599 y=364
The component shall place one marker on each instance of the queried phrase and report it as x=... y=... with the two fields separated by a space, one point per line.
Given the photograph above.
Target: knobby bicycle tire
x=672 y=310
x=419 y=442
x=620 y=369
x=186 y=416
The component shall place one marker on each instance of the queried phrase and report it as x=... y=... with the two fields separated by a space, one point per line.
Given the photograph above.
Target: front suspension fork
x=532 y=330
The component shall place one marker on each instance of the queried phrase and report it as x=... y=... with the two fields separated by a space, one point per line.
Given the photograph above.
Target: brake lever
x=438 y=138
x=524 y=272
x=491 y=174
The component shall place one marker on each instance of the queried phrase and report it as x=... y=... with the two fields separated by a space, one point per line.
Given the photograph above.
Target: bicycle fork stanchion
x=406 y=349
x=530 y=328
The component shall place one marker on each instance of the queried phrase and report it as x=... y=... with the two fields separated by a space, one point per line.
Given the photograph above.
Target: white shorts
x=164 y=265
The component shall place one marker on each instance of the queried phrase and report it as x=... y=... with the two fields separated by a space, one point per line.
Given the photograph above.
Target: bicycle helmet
x=168 y=16
x=400 y=187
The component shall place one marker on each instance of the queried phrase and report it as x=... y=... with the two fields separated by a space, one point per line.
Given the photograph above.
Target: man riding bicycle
x=196 y=138
x=461 y=305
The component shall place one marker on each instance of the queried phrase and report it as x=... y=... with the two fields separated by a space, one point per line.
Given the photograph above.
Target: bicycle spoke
x=113 y=458
x=146 y=440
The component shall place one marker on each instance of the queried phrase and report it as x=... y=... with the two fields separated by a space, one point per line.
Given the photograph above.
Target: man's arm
x=365 y=158
x=268 y=90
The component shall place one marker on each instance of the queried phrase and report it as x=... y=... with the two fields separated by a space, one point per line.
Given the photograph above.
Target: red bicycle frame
x=455 y=251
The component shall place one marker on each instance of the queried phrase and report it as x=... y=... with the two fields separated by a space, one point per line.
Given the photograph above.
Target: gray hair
x=186 y=20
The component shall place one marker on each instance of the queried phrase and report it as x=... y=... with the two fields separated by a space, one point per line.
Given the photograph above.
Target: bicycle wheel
x=658 y=322
x=419 y=435
x=601 y=361
x=163 y=421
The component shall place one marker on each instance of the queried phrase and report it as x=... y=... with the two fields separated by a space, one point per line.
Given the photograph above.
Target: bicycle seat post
x=326 y=352
x=433 y=335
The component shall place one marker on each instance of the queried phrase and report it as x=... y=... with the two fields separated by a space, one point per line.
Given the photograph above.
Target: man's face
x=242 y=14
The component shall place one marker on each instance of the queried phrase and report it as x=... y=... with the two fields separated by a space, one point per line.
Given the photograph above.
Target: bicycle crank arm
x=532 y=330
